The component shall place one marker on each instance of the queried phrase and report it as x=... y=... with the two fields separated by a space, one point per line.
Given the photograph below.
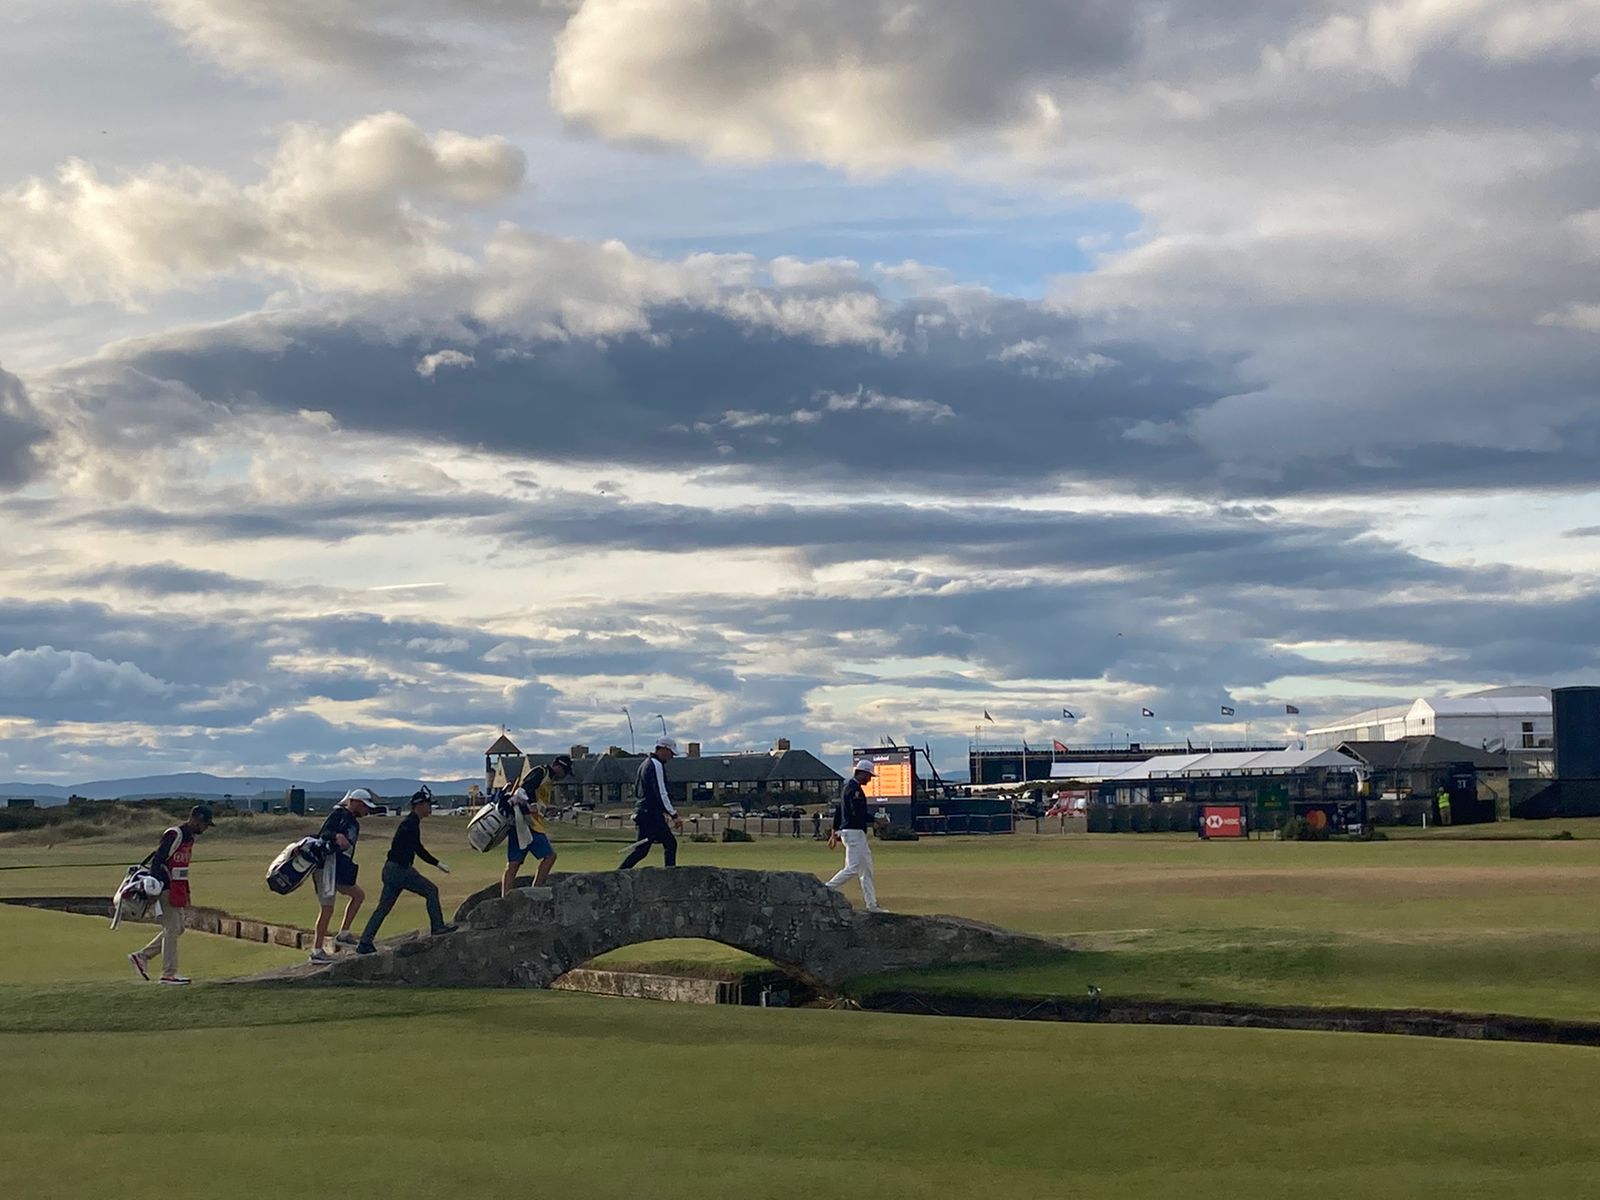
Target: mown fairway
x=396 y=1094
x=1451 y=923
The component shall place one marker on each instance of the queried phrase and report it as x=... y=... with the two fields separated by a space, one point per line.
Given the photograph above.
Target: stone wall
x=199 y=919
x=536 y=935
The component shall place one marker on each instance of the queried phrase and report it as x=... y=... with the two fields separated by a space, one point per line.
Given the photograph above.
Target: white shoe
x=319 y=955
x=346 y=938
x=175 y=980
x=874 y=908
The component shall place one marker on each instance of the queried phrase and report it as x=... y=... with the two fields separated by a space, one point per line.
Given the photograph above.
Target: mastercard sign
x=1222 y=822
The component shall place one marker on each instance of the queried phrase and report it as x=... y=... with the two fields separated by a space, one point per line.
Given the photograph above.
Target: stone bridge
x=534 y=936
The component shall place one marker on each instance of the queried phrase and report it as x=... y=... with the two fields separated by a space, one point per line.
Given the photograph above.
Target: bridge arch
x=536 y=935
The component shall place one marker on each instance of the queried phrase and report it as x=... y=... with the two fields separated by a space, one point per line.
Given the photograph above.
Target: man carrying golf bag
x=653 y=809
x=170 y=864
x=337 y=876
x=400 y=875
x=530 y=801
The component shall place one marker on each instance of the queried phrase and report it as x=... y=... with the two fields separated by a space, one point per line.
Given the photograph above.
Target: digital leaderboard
x=895 y=777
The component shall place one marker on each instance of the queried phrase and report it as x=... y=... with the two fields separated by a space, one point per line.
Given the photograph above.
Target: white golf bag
x=137 y=896
x=296 y=861
x=490 y=825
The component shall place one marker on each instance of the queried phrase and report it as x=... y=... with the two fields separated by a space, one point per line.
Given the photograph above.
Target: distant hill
x=198 y=785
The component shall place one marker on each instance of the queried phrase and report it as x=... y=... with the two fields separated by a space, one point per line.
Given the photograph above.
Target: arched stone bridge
x=534 y=936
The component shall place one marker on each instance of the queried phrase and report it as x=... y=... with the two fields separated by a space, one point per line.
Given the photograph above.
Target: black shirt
x=851 y=811
x=407 y=846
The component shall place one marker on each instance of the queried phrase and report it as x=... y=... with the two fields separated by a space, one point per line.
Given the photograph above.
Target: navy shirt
x=342 y=820
x=851 y=812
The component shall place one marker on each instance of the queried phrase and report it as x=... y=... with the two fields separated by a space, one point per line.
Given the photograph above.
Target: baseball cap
x=865 y=764
x=666 y=743
x=423 y=795
x=202 y=812
x=364 y=795
x=564 y=761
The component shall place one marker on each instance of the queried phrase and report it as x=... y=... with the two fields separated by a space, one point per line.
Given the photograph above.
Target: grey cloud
x=703 y=389
x=23 y=434
x=168 y=579
x=1585 y=531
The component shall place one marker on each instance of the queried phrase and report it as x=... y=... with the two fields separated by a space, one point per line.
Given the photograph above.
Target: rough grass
x=639 y=1099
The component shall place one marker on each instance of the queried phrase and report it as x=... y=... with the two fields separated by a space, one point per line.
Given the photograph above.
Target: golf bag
x=490 y=825
x=297 y=860
x=137 y=896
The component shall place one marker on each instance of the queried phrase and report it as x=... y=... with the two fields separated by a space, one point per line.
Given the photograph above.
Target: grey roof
x=1421 y=751
x=801 y=766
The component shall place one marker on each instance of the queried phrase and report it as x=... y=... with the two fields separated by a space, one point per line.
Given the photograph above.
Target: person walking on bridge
x=653 y=810
x=851 y=820
x=532 y=800
x=337 y=876
x=401 y=875
x=170 y=864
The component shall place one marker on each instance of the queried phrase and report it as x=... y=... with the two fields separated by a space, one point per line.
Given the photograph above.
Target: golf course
x=413 y=1093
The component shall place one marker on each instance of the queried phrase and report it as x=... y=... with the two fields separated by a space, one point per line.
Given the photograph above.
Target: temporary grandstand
x=1225 y=776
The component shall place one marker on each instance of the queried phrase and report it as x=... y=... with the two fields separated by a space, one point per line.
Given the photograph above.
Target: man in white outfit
x=851 y=820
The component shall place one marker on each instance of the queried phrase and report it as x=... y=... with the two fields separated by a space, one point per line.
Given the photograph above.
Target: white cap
x=865 y=764
x=362 y=794
x=666 y=743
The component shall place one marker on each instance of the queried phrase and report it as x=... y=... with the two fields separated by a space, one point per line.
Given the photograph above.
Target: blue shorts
x=538 y=844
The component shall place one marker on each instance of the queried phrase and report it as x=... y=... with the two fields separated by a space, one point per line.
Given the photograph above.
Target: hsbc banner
x=1222 y=822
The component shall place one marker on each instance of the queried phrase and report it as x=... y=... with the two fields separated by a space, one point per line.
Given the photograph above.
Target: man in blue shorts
x=531 y=801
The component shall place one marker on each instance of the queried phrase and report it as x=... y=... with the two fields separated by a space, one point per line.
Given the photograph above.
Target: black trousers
x=651 y=831
x=397 y=879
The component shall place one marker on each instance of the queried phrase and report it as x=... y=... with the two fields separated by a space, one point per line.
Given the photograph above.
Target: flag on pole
x=1066 y=715
x=1145 y=712
x=1025 y=749
x=987 y=717
x=1226 y=711
x=1291 y=710
x=1060 y=746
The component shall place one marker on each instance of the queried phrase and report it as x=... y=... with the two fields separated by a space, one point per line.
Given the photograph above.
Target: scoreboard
x=895 y=775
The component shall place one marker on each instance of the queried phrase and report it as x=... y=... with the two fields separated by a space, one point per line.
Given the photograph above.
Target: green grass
x=468 y=1094
x=49 y=947
x=1443 y=921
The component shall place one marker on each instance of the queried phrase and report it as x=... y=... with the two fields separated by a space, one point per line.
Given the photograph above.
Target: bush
x=701 y=837
x=730 y=834
x=896 y=833
x=1099 y=818
x=1298 y=829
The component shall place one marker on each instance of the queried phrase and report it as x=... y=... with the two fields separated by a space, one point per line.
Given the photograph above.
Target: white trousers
x=857 y=861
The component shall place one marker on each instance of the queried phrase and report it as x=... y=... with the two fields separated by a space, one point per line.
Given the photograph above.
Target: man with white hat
x=337 y=875
x=653 y=808
x=851 y=819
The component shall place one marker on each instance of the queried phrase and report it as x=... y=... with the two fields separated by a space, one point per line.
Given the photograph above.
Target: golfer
x=653 y=809
x=337 y=876
x=170 y=864
x=850 y=823
x=401 y=875
x=531 y=801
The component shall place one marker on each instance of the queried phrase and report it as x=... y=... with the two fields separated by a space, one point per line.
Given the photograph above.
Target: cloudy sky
x=374 y=375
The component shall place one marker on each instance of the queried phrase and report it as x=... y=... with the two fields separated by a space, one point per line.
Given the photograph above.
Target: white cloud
x=858 y=83
x=428 y=364
x=354 y=209
x=47 y=675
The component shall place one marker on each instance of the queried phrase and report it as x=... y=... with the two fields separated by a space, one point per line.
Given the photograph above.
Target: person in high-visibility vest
x=170 y=864
x=1443 y=800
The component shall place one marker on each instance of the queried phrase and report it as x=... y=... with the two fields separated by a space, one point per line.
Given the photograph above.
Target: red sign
x=1222 y=822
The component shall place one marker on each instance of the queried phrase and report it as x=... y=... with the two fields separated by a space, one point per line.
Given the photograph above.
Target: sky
x=374 y=376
